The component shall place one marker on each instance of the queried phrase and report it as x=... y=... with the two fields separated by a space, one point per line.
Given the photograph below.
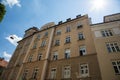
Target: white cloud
x=13 y=39
x=12 y=2
x=6 y=56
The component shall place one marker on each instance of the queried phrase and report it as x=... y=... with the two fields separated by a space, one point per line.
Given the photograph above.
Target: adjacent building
x=70 y=50
x=106 y=37
x=3 y=65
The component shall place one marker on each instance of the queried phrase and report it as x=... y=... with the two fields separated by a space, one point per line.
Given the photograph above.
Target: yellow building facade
x=70 y=50
x=106 y=37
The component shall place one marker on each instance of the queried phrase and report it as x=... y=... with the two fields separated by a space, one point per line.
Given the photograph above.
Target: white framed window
x=67 y=72
x=43 y=43
x=84 y=70
x=80 y=36
x=106 y=33
x=55 y=56
x=35 y=72
x=113 y=47
x=67 y=53
x=30 y=58
x=67 y=29
x=67 y=39
x=25 y=74
x=82 y=50
x=116 y=66
x=58 y=32
x=53 y=73
x=57 y=42
x=39 y=56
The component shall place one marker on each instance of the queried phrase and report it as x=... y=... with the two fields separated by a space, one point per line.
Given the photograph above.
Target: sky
x=23 y=14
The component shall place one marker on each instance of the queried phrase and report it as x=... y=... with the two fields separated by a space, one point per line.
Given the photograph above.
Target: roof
x=3 y=63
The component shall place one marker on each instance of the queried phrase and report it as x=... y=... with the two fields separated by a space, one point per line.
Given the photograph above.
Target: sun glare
x=98 y=4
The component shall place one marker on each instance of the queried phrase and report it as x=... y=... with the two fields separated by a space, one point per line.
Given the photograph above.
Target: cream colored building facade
x=106 y=37
x=70 y=50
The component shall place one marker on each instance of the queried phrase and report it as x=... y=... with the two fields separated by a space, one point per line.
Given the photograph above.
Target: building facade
x=3 y=65
x=70 y=50
x=106 y=37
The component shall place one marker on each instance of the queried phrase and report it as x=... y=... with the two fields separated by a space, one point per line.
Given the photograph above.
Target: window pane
x=113 y=48
x=114 y=63
x=116 y=69
x=117 y=48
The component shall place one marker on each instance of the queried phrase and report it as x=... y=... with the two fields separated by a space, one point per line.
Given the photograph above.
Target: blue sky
x=23 y=14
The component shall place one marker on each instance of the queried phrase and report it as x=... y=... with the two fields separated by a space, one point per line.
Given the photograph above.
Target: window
x=116 y=66
x=113 y=47
x=58 y=32
x=43 y=43
x=79 y=26
x=67 y=39
x=67 y=72
x=57 y=42
x=106 y=33
x=67 y=29
x=80 y=36
x=35 y=72
x=82 y=50
x=46 y=33
x=67 y=53
x=84 y=71
x=35 y=45
x=53 y=73
x=25 y=74
x=38 y=36
x=39 y=57
x=30 y=58
x=55 y=56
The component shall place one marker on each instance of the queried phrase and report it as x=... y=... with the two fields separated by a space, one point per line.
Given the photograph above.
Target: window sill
x=32 y=79
x=113 y=52
x=50 y=79
x=42 y=46
x=81 y=39
x=56 y=45
x=66 y=79
x=83 y=77
x=117 y=74
x=33 y=48
x=57 y=34
x=67 y=42
x=54 y=60
x=67 y=32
